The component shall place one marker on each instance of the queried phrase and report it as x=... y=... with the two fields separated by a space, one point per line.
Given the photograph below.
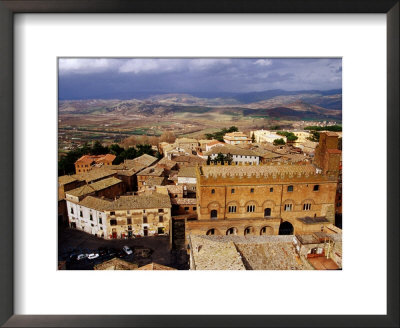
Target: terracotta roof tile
x=155 y=200
x=93 y=187
x=247 y=170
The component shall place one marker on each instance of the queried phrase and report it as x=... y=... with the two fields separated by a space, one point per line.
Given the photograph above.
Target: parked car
x=127 y=250
x=93 y=256
x=81 y=257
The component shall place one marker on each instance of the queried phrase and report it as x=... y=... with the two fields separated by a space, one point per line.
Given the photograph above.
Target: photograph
x=199 y=163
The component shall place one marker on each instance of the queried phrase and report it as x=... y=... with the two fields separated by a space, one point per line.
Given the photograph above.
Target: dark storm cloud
x=130 y=78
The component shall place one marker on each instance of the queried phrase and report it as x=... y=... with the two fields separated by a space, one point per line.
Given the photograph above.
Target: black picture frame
x=10 y=7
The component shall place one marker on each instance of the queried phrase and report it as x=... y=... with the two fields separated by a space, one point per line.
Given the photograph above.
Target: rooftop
x=155 y=200
x=65 y=179
x=96 y=203
x=175 y=189
x=95 y=174
x=187 y=172
x=154 y=181
x=152 y=171
x=258 y=170
x=234 y=135
x=185 y=140
x=215 y=142
x=189 y=159
x=145 y=159
x=93 y=187
x=88 y=159
x=213 y=255
x=155 y=266
x=245 y=253
x=116 y=264
x=229 y=149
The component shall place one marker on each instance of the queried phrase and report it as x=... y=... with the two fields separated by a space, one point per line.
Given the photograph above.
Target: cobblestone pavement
x=71 y=239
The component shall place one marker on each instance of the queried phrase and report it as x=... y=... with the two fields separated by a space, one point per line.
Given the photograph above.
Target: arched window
x=231 y=231
x=214 y=214
x=251 y=208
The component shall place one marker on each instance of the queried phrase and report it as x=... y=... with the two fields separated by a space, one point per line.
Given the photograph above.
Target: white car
x=127 y=250
x=93 y=256
x=81 y=257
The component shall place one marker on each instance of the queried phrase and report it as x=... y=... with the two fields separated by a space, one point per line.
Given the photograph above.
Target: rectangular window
x=290 y=188
x=80 y=213
x=186 y=208
x=194 y=208
x=252 y=190
x=145 y=219
x=213 y=191
x=160 y=210
x=100 y=221
x=288 y=207
x=160 y=218
x=232 y=209
x=316 y=187
x=91 y=217
x=251 y=208
x=113 y=222
x=129 y=221
x=72 y=210
x=306 y=207
x=160 y=230
x=232 y=191
x=112 y=213
x=271 y=189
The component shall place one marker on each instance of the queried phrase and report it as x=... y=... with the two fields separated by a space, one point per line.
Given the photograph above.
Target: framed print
x=153 y=118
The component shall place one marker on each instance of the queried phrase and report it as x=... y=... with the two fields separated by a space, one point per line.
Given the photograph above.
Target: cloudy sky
x=85 y=78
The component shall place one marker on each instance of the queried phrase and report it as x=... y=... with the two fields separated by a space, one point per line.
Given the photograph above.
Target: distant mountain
x=250 y=97
x=310 y=104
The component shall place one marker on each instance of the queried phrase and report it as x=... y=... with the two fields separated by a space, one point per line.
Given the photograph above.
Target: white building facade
x=87 y=219
x=261 y=136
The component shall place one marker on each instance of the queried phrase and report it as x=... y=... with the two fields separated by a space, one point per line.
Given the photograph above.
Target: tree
x=314 y=136
x=98 y=149
x=278 y=142
x=168 y=136
x=253 y=138
x=334 y=128
x=219 y=135
x=208 y=160
x=116 y=149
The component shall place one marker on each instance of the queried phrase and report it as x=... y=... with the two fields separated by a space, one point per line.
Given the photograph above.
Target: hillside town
x=260 y=200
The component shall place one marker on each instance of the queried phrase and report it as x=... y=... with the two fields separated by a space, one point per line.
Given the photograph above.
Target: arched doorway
x=214 y=214
x=231 y=231
x=286 y=228
x=267 y=212
x=210 y=232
